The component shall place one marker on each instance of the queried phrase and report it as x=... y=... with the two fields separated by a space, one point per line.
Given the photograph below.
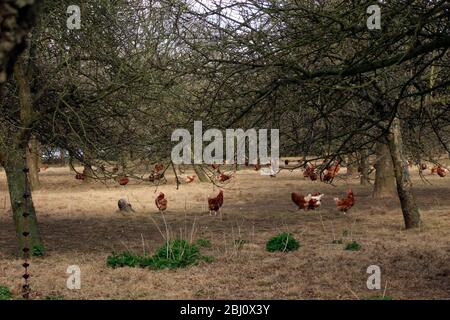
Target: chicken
x=44 y=167
x=442 y=172
x=310 y=172
x=423 y=167
x=345 y=204
x=79 y=176
x=315 y=200
x=224 y=177
x=310 y=202
x=159 y=167
x=161 y=202
x=214 y=204
x=434 y=169
x=301 y=201
x=189 y=179
x=330 y=172
x=123 y=181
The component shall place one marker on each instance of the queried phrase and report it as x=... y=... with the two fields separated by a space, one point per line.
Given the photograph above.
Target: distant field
x=81 y=226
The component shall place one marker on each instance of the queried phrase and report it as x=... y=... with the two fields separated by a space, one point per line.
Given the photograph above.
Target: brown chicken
x=345 y=204
x=189 y=179
x=161 y=202
x=224 y=177
x=214 y=204
x=301 y=201
x=159 y=167
x=310 y=202
x=442 y=172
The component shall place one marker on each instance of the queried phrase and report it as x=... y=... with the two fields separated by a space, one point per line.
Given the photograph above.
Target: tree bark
x=88 y=174
x=385 y=185
x=16 y=20
x=33 y=163
x=364 y=168
x=411 y=213
x=14 y=164
x=351 y=168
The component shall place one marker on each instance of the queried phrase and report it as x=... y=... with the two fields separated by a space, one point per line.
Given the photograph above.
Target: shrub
x=173 y=254
x=353 y=246
x=5 y=294
x=283 y=242
x=125 y=259
x=176 y=254
x=37 y=250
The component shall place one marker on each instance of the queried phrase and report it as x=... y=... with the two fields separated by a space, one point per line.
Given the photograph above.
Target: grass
x=353 y=246
x=282 y=242
x=205 y=243
x=173 y=254
x=5 y=293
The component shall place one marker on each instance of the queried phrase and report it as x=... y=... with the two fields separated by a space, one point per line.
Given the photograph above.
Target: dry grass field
x=81 y=226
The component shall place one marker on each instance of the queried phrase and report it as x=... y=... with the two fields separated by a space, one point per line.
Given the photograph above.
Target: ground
x=81 y=226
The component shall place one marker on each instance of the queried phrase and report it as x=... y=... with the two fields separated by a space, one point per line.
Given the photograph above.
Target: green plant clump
x=174 y=254
x=353 y=246
x=5 y=293
x=283 y=242
x=37 y=251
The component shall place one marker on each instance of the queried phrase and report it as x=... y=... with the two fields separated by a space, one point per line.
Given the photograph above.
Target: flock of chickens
x=308 y=202
x=312 y=202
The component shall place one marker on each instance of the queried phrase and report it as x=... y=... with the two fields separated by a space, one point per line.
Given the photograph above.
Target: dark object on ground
x=124 y=206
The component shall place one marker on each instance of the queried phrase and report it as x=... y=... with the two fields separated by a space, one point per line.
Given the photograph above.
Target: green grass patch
x=205 y=243
x=5 y=293
x=38 y=250
x=173 y=254
x=353 y=246
x=282 y=242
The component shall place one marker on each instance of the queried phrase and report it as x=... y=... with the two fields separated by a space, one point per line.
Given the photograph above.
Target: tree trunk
x=351 y=168
x=14 y=165
x=384 y=175
x=364 y=168
x=411 y=213
x=88 y=174
x=33 y=163
x=202 y=177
